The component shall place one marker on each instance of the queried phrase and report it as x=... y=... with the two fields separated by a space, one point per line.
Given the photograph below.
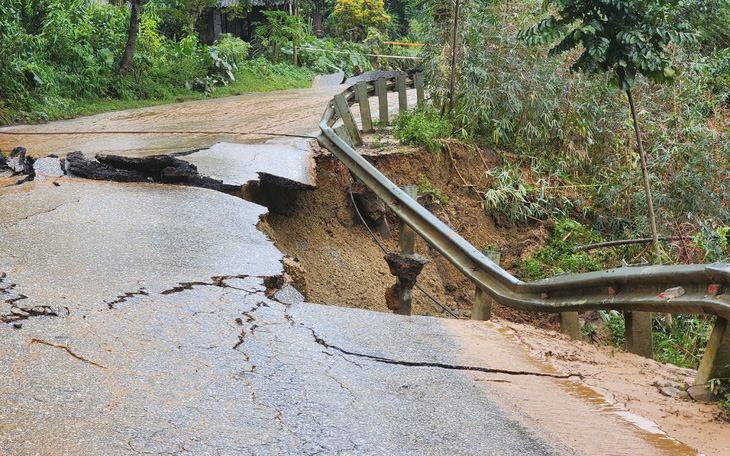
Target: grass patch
x=253 y=76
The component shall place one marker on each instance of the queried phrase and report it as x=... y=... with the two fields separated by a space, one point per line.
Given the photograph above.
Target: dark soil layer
x=335 y=261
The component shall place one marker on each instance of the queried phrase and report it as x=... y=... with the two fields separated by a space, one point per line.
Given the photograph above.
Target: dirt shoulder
x=624 y=382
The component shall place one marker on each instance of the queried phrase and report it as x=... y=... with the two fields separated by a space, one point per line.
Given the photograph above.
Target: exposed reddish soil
x=344 y=266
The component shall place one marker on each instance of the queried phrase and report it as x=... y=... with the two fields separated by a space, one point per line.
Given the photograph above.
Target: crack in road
x=68 y=350
x=122 y=298
x=47 y=211
x=460 y=367
x=18 y=312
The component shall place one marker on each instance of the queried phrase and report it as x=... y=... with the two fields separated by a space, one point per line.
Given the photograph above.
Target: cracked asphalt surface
x=136 y=319
x=166 y=379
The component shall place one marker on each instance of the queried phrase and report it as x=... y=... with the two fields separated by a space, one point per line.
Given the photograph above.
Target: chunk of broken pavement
x=47 y=167
x=17 y=161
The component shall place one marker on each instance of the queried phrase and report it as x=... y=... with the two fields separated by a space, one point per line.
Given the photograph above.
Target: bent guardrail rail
x=631 y=288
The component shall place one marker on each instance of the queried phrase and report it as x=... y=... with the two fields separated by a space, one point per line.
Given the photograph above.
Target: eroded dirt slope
x=345 y=267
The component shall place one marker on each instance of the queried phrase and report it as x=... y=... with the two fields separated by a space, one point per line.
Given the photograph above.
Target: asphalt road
x=135 y=320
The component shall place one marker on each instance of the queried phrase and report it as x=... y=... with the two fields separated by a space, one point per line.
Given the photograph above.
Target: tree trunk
x=128 y=56
x=452 y=83
x=296 y=55
x=647 y=186
x=275 y=50
x=650 y=202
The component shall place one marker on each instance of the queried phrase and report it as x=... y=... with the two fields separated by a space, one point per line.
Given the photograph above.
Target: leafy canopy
x=283 y=29
x=624 y=37
x=352 y=18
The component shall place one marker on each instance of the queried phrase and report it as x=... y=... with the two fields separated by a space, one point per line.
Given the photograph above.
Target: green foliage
x=709 y=19
x=721 y=388
x=684 y=343
x=57 y=56
x=425 y=187
x=508 y=197
x=280 y=29
x=616 y=325
x=421 y=128
x=512 y=96
x=623 y=37
x=558 y=257
x=232 y=49
x=221 y=60
x=352 y=19
x=330 y=56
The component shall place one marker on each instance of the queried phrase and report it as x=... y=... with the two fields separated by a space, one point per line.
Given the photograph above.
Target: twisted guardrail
x=688 y=289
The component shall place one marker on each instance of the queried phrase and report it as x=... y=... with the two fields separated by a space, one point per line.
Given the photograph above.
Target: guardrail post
x=381 y=89
x=405 y=265
x=406 y=269
x=482 y=307
x=361 y=91
x=570 y=325
x=716 y=360
x=400 y=85
x=406 y=235
x=638 y=333
x=418 y=82
x=343 y=110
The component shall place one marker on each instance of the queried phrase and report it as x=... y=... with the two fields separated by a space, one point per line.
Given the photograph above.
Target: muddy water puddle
x=645 y=429
x=648 y=430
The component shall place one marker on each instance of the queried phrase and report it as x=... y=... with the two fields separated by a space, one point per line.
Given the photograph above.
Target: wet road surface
x=247 y=119
x=135 y=320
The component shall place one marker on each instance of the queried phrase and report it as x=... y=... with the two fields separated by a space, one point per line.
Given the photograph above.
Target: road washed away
x=152 y=317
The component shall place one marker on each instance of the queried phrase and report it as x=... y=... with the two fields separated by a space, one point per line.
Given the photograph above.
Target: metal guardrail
x=631 y=288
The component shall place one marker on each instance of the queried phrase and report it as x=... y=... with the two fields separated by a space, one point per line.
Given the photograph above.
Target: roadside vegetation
x=609 y=126
x=546 y=85
x=63 y=58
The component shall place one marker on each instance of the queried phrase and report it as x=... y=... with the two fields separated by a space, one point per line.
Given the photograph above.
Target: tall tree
x=128 y=56
x=625 y=38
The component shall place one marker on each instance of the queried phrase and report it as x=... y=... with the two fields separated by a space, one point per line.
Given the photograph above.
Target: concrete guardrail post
x=406 y=235
x=716 y=360
x=381 y=89
x=361 y=92
x=418 y=82
x=400 y=85
x=343 y=110
x=483 y=303
x=404 y=265
x=638 y=334
x=570 y=325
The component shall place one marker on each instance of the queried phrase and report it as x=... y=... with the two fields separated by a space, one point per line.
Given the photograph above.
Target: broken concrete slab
x=47 y=168
x=17 y=161
x=328 y=80
x=289 y=295
x=82 y=244
x=155 y=168
x=370 y=76
x=238 y=164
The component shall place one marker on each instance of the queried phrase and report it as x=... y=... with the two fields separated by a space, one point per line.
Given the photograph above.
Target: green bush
x=232 y=48
x=558 y=257
x=421 y=128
